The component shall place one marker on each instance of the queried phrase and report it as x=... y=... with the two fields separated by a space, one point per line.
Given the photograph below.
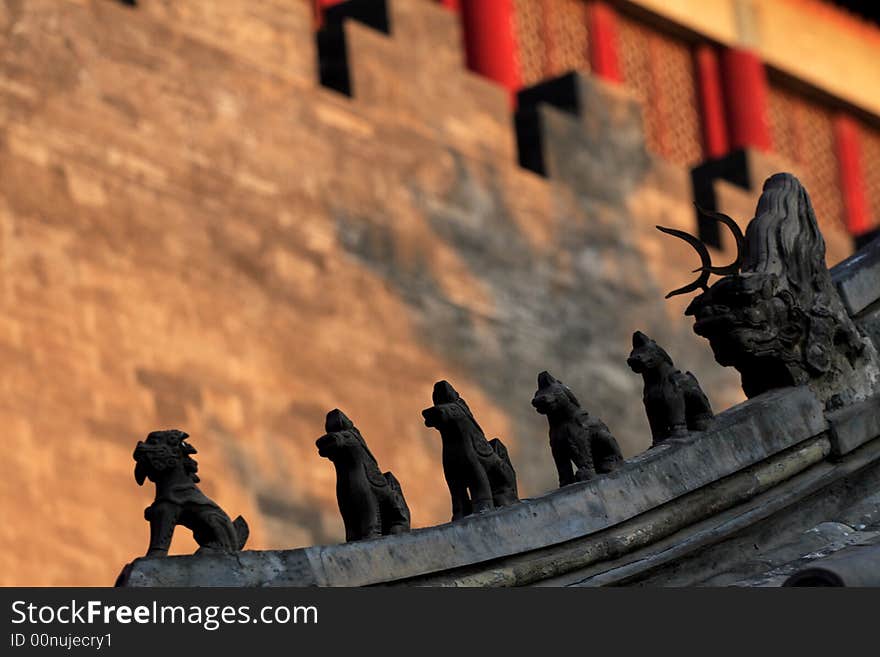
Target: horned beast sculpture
x=478 y=471
x=371 y=502
x=575 y=435
x=674 y=402
x=775 y=315
x=165 y=458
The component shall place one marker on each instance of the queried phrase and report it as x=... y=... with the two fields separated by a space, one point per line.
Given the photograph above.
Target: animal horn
x=734 y=228
x=705 y=259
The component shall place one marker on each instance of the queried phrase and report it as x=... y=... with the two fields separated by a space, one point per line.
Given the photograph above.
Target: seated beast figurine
x=371 y=503
x=674 y=402
x=478 y=471
x=165 y=459
x=575 y=435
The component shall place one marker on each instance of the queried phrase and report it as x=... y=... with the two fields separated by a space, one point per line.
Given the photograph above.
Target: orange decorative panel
x=871 y=170
x=660 y=69
x=568 y=33
x=552 y=38
x=784 y=127
x=529 y=19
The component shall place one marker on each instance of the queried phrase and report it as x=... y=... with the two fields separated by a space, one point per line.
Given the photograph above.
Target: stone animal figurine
x=576 y=437
x=371 y=503
x=674 y=402
x=478 y=471
x=775 y=314
x=165 y=458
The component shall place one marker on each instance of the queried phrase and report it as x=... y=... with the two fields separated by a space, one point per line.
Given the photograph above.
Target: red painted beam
x=490 y=41
x=548 y=15
x=714 y=120
x=745 y=93
x=602 y=31
x=847 y=137
x=318 y=7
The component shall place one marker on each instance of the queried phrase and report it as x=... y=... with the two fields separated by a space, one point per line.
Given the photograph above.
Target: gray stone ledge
x=647 y=534
x=858 y=278
x=854 y=425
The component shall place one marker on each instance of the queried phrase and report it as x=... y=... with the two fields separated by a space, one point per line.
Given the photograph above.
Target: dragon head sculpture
x=775 y=315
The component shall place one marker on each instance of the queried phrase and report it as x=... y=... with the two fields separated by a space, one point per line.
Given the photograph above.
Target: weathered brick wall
x=195 y=234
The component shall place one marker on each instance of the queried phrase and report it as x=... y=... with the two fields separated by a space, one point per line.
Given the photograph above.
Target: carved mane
x=784 y=239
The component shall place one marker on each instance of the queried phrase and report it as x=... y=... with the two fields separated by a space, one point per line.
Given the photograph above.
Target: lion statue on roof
x=165 y=458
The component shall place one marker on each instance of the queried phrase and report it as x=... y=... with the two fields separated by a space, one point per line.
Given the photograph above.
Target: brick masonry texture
x=195 y=234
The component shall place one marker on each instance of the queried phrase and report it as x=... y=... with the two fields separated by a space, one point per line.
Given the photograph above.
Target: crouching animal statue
x=165 y=458
x=775 y=314
x=478 y=471
x=371 y=503
x=575 y=435
x=674 y=402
